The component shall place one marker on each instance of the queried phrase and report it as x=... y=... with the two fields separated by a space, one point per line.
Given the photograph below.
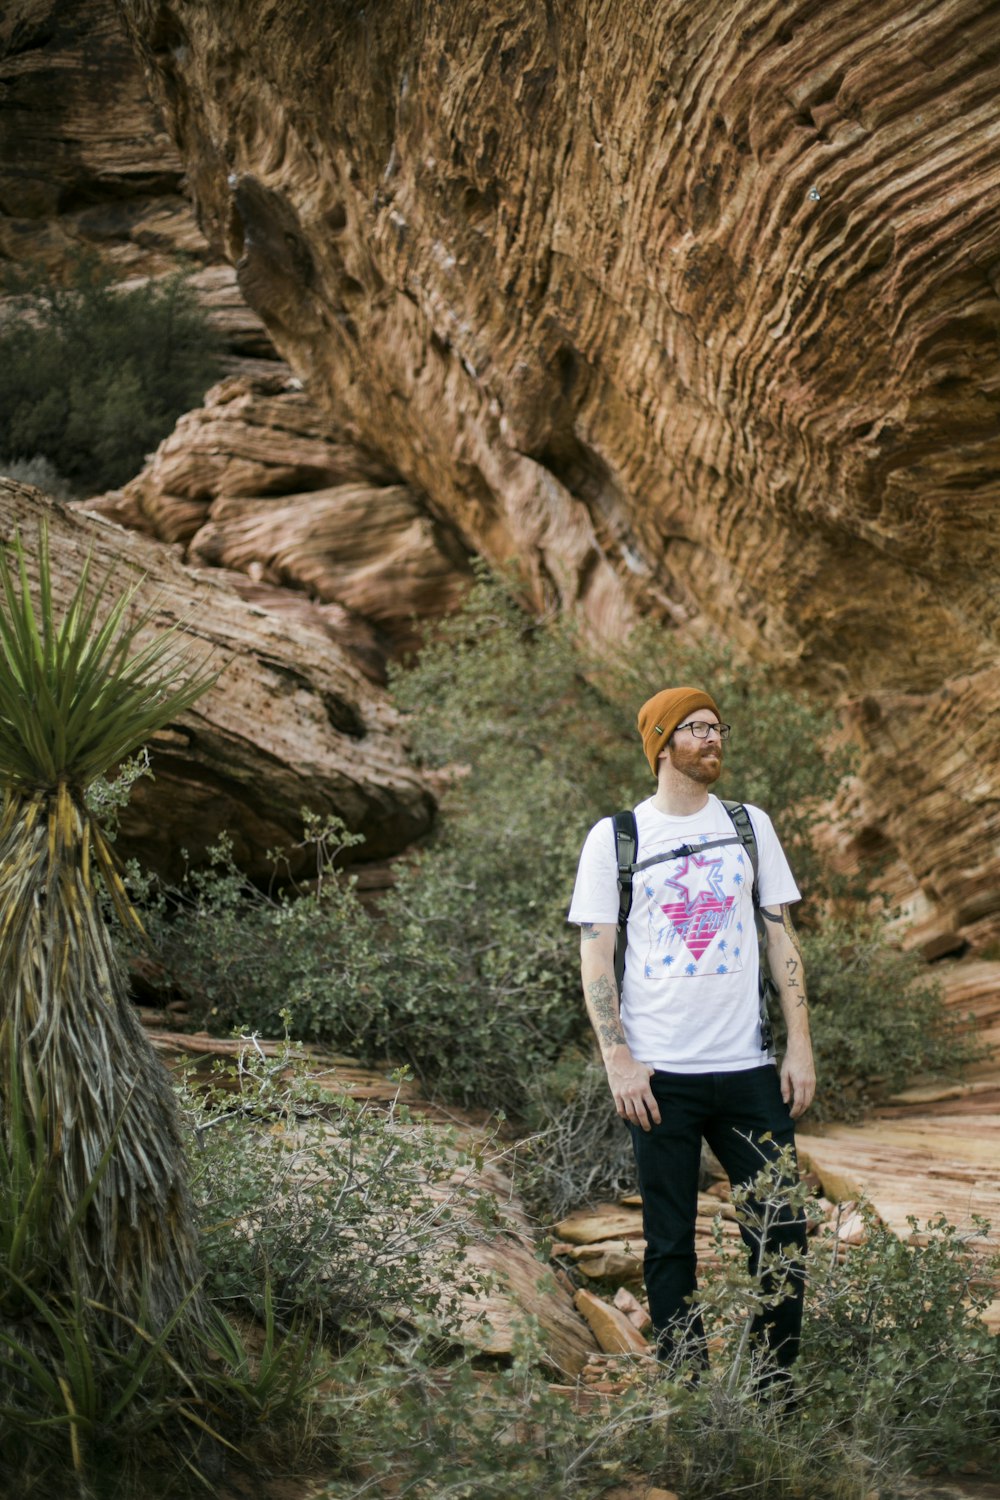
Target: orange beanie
x=660 y=716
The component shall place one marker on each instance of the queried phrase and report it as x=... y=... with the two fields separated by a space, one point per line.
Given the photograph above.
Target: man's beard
x=703 y=769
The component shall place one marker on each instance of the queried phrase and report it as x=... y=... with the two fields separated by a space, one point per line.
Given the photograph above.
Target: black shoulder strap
x=626 y=848
x=740 y=820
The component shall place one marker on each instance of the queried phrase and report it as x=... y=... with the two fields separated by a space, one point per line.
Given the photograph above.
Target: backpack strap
x=740 y=819
x=626 y=848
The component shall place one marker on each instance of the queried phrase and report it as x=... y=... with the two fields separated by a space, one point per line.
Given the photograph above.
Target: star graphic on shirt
x=696 y=905
x=696 y=877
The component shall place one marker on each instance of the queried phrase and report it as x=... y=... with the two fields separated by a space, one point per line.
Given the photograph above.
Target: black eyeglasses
x=701 y=729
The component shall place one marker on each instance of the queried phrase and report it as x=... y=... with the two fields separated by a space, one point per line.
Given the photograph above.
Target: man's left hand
x=798 y=1080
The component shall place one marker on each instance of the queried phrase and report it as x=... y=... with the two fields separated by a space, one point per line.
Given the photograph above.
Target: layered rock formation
x=261 y=482
x=290 y=723
x=85 y=162
x=689 y=309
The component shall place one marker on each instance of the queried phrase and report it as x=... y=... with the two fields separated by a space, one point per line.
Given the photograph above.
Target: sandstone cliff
x=688 y=308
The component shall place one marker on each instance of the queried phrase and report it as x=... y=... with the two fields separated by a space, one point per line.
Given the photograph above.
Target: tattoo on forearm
x=604 y=1010
x=793 y=981
x=793 y=966
x=786 y=922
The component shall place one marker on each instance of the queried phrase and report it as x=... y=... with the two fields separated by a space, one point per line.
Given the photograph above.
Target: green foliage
x=37 y=471
x=897 y=1372
x=877 y=1017
x=579 y=1151
x=244 y=958
x=440 y=1430
x=319 y=1206
x=144 y=1414
x=320 y=1219
x=94 y=1200
x=92 y=377
x=80 y=694
x=896 y=1349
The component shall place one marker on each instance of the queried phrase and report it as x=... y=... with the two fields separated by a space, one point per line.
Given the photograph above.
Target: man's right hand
x=629 y=1084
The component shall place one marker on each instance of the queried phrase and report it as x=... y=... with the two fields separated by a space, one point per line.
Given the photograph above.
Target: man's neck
x=678 y=797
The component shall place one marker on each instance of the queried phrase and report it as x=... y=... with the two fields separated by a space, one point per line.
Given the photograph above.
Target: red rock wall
x=688 y=307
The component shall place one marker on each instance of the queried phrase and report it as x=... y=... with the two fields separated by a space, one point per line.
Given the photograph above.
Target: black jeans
x=734 y=1112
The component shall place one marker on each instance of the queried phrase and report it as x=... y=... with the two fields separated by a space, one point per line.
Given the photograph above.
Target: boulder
x=613 y=1330
x=291 y=723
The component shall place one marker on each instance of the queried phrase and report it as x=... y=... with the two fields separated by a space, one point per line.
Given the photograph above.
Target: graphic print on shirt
x=693 y=915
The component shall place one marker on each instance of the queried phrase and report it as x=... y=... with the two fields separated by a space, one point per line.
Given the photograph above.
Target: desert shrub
x=579 y=1151
x=39 y=472
x=245 y=958
x=343 y=1212
x=897 y=1371
x=92 y=377
x=102 y=1404
x=896 y=1346
x=322 y=1223
x=877 y=1017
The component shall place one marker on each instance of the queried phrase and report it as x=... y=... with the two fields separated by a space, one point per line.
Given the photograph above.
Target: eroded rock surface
x=291 y=723
x=691 y=307
x=259 y=481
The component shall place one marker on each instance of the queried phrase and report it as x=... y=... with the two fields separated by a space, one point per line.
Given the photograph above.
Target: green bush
x=341 y=1212
x=897 y=1373
x=245 y=958
x=93 y=377
x=895 y=1347
x=102 y=1404
x=579 y=1151
x=878 y=1021
x=322 y=1223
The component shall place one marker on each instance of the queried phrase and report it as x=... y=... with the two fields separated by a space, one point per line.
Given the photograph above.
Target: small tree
x=88 y=1129
x=94 y=375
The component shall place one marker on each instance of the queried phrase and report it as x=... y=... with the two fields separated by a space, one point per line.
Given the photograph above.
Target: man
x=682 y=1045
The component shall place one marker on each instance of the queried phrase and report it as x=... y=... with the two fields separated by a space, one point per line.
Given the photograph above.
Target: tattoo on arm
x=786 y=922
x=588 y=932
x=793 y=966
x=604 y=1010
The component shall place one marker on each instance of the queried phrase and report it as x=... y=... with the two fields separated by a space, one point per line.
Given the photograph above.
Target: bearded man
x=685 y=1046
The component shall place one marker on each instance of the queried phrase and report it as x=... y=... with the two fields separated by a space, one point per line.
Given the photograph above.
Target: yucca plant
x=84 y=1101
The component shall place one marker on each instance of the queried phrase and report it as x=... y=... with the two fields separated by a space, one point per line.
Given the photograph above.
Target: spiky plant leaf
x=79 y=694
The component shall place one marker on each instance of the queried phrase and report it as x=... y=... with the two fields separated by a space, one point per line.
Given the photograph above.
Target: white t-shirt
x=690 y=1001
